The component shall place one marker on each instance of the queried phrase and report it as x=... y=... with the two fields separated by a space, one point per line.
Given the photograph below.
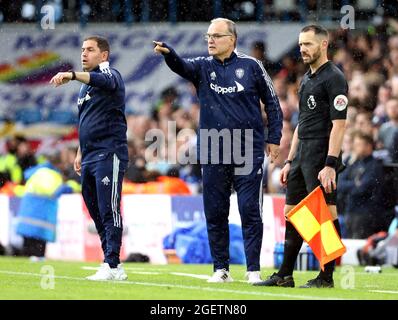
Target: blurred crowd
x=368 y=185
x=181 y=10
x=21 y=157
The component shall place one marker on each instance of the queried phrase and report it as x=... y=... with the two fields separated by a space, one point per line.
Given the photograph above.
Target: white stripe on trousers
x=114 y=197
x=261 y=194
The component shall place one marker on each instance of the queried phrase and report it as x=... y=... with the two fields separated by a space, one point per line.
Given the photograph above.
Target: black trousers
x=33 y=247
x=303 y=175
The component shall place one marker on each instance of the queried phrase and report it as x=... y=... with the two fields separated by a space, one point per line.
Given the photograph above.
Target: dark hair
x=259 y=45
x=102 y=43
x=169 y=92
x=364 y=137
x=318 y=30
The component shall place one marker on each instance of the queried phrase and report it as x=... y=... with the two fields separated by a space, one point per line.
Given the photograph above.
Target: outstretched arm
x=159 y=48
x=106 y=79
x=64 y=77
x=186 y=68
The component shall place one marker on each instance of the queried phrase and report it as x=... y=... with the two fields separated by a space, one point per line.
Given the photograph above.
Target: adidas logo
x=224 y=276
x=105 y=180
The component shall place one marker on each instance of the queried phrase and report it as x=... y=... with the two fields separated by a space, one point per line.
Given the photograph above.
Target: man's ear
x=105 y=56
x=325 y=44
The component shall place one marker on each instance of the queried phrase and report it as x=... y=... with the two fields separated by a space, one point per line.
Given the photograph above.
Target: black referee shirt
x=322 y=98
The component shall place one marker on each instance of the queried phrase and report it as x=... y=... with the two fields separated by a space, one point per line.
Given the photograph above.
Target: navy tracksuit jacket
x=103 y=143
x=229 y=94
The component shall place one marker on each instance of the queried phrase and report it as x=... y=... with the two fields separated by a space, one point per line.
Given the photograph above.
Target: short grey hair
x=230 y=24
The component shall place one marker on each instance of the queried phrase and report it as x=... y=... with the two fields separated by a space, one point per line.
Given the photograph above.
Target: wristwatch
x=287 y=161
x=73 y=74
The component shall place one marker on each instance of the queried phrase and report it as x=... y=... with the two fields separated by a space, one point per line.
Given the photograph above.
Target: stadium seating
x=65 y=117
x=28 y=115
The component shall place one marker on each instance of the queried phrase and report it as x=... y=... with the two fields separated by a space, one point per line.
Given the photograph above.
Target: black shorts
x=303 y=175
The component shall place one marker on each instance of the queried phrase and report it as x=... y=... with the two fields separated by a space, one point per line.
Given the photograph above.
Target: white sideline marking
x=127 y=269
x=146 y=272
x=143 y=269
x=137 y=272
x=384 y=291
x=169 y=285
x=132 y=270
x=198 y=276
x=191 y=275
x=392 y=274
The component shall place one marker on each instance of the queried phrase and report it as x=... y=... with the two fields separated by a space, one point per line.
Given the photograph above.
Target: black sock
x=293 y=243
x=329 y=267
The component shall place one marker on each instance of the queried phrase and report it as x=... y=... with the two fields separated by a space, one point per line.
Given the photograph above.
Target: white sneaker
x=253 y=277
x=103 y=273
x=36 y=259
x=219 y=276
x=119 y=273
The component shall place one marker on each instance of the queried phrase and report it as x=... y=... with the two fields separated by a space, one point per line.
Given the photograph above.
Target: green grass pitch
x=22 y=279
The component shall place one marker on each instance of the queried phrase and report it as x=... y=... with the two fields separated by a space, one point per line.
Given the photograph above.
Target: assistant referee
x=315 y=155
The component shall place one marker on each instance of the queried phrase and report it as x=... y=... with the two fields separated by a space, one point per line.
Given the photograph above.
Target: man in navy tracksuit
x=102 y=156
x=230 y=86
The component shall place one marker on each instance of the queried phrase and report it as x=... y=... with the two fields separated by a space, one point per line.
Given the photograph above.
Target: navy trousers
x=218 y=180
x=101 y=190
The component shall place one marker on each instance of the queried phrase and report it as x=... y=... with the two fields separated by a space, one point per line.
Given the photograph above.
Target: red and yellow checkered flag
x=313 y=220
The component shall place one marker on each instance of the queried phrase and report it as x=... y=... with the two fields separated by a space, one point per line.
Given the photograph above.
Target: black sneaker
x=276 y=281
x=318 y=283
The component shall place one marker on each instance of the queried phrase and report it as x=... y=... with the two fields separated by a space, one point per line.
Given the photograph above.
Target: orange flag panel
x=313 y=220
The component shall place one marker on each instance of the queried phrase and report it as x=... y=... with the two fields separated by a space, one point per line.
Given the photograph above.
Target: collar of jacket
x=311 y=75
x=227 y=61
x=366 y=158
x=101 y=66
